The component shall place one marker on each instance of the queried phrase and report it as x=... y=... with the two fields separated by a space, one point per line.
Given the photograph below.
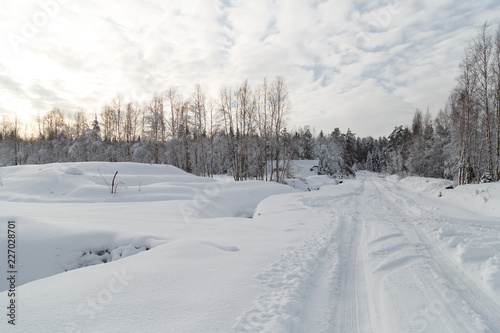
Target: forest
x=242 y=132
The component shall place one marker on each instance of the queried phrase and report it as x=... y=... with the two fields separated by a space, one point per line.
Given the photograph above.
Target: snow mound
x=306 y=176
x=479 y=198
x=475 y=252
x=135 y=182
x=425 y=185
x=57 y=182
x=311 y=183
x=304 y=168
x=491 y=273
x=74 y=171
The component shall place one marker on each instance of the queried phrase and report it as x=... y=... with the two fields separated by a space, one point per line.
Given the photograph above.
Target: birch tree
x=482 y=48
x=279 y=104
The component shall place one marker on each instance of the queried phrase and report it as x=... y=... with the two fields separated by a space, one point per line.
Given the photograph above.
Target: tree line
x=463 y=141
x=243 y=132
x=474 y=108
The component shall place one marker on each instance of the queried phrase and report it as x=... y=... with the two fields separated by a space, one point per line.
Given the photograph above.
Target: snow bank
x=478 y=198
x=430 y=186
x=491 y=273
x=466 y=233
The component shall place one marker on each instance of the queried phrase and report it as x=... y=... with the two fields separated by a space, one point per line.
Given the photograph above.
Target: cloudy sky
x=363 y=64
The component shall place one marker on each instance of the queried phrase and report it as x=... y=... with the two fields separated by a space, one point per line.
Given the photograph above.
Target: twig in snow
x=104 y=179
x=113 y=188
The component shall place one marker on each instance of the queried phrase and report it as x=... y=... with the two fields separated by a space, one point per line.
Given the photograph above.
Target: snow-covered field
x=172 y=252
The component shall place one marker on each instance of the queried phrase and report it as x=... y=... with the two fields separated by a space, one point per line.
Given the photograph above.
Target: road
x=372 y=267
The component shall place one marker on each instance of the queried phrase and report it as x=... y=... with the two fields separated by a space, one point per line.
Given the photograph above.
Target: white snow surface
x=172 y=252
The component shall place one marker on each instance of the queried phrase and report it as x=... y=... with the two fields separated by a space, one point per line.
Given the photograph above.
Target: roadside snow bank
x=478 y=198
x=429 y=186
x=470 y=227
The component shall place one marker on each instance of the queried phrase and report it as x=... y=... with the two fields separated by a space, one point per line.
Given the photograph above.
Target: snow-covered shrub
x=486 y=178
x=329 y=162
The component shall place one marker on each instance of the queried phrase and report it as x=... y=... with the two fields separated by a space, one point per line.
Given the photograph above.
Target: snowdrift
x=179 y=242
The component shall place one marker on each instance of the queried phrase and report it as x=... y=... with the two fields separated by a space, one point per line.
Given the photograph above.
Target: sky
x=363 y=65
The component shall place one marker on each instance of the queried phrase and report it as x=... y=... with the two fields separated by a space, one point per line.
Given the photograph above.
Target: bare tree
x=465 y=117
x=117 y=106
x=245 y=127
x=173 y=99
x=11 y=130
x=185 y=134
x=482 y=48
x=130 y=122
x=213 y=130
x=199 y=113
x=80 y=123
x=280 y=105
x=156 y=122
x=107 y=117
x=54 y=124
x=496 y=94
x=226 y=111
x=263 y=128
x=417 y=144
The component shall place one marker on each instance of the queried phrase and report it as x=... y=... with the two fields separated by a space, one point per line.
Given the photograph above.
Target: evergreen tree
x=348 y=154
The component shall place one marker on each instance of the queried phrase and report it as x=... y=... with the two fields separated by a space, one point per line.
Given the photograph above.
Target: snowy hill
x=172 y=252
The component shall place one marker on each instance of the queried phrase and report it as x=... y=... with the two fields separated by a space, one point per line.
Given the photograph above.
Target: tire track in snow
x=349 y=314
x=479 y=306
x=299 y=280
x=399 y=270
x=346 y=309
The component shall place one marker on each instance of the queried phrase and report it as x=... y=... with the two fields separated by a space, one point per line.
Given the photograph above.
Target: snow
x=483 y=199
x=172 y=252
x=306 y=176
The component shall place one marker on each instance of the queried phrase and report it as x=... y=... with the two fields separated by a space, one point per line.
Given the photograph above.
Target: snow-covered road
x=374 y=254
x=373 y=268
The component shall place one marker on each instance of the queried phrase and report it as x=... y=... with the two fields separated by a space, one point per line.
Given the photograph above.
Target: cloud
x=9 y=85
x=344 y=61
